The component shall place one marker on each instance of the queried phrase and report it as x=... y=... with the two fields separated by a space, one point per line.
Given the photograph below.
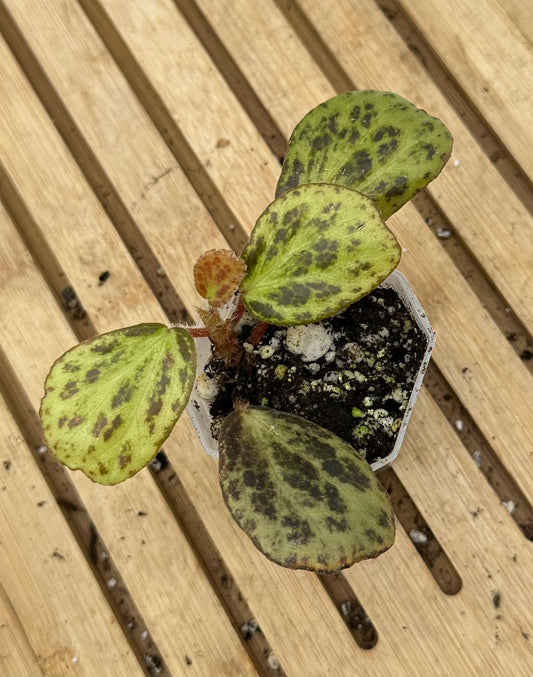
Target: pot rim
x=198 y=411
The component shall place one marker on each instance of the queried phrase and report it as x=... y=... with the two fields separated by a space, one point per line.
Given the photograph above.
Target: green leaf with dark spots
x=110 y=402
x=375 y=142
x=304 y=496
x=314 y=251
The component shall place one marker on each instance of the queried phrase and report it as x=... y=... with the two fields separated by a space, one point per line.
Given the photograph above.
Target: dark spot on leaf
x=124 y=460
x=105 y=346
x=115 y=425
x=291 y=215
x=185 y=347
x=295 y=295
x=336 y=524
x=76 y=421
x=299 y=530
x=281 y=235
x=354 y=136
x=70 y=389
x=140 y=330
x=334 y=501
x=100 y=424
x=383 y=520
x=367 y=119
x=123 y=395
x=293 y=179
x=385 y=150
x=320 y=142
x=184 y=375
x=323 y=289
x=373 y=536
x=332 y=123
x=92 y=375
x=398 y=187
x=355 y=113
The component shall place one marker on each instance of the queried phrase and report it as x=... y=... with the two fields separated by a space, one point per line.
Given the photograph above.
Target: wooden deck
x=134 y=135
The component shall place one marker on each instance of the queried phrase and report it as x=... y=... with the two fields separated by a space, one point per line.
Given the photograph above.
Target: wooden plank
x=159 y=568
x=195 y=85
x=424 y=262
x=17 y=656
x=157 y=563
x=519 y=13
x=48 y=591
x=487 y=625
x=154 y=189
x=494 y=66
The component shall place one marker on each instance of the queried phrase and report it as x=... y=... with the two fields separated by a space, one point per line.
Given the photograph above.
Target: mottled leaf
x=375 y=142
x=217 y=274
x=314 y=251
x=304 y=496
x=111 y=401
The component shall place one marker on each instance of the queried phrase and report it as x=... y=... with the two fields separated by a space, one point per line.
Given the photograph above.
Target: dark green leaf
x=314 y=251
x=375 y=142
x=303 y=495
x=111 y=402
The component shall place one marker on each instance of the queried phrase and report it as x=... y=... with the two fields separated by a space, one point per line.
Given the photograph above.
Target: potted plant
x=303 y=494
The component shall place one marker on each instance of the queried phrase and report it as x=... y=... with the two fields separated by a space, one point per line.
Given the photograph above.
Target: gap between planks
x=94 y=173
x=206 y=189
x=485 y=136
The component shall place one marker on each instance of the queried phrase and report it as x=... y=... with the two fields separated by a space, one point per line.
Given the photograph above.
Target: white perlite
x=418 y=536
x=207 y=387
x=509 y=505
x=311 y=341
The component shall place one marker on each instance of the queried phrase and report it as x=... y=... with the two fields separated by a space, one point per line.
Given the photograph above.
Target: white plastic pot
x=198 y=408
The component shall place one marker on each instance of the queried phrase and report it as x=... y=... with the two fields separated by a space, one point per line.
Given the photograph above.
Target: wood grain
x=48 y=593
x=493 y=66
x=130 y=144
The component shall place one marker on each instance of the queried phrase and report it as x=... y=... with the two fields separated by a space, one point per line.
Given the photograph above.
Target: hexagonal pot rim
x=198 y=408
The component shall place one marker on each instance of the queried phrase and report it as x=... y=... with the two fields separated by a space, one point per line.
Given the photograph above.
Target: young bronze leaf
x=111 y=401
x=217 y=274
x=375 y=142
x=304 y=496
x=314 y=251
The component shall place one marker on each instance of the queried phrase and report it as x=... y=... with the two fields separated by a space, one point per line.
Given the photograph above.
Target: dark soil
x=359 y=389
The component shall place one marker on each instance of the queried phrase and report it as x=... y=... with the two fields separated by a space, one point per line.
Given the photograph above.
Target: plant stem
x=257 y=333
x=198 y=332
x=239 y=310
